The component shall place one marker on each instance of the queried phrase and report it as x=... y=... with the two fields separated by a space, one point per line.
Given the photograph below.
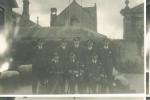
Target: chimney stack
x=25 y=14
x=53 y=16
x=37 y=20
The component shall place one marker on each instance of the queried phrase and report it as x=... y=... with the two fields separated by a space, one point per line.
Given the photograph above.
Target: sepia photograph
x=71 y=47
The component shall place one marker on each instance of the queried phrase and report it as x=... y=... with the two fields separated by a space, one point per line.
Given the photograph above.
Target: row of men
x=82 y=70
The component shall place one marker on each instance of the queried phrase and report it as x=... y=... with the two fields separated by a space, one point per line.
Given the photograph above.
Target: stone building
x=75 y=15
x=133 y=22
x=6 y=12
x=83 y=20
x=63 y=26
x=68 y=25
x=131 y=47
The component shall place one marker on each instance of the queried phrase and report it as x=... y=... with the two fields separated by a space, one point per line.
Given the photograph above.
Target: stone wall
x=130 y=57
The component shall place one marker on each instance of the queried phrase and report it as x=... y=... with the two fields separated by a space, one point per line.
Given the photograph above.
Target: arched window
x=2 y=17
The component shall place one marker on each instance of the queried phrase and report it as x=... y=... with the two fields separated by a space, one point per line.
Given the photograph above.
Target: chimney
x=37 y=20
x=95 y=17
x=53 y=16
x=25 y=14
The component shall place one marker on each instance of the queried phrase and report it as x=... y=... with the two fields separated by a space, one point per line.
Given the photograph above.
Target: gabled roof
x=82 y=14
x=88 y=10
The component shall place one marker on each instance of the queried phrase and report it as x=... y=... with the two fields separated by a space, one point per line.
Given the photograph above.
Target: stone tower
x=25 y=14
x=127 y=20
x=133 y=22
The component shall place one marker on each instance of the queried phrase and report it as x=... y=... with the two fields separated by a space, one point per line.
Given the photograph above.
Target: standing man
x=56 y=73
x=89 y=50
x=76 y=73
x=38 y=66
x=73 y=73
x=94 y=73
x=78 y=50
x=108 y=67
x=63 y=54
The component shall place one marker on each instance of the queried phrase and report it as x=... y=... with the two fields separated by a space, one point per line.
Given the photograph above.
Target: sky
x=110 y=21
x=82 y=98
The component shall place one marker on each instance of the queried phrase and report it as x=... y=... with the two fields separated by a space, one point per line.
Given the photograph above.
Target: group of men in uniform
x=74 y=68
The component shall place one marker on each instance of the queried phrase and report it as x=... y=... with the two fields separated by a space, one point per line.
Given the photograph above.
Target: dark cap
x=76 y=39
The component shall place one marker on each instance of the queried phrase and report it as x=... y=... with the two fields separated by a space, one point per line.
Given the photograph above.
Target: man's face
x=63 y=45
x=56 y=58
x=90 y=44
x=76 y=42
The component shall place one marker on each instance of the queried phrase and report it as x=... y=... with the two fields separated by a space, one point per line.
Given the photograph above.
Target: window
x=2 y=18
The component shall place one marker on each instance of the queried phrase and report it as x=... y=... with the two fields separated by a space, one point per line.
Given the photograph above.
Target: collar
x=73 y=60
x=64 y=48
x=77 y=46
x=56 y=61
x=90 y=48
x=94 y=61
x=40 y=47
